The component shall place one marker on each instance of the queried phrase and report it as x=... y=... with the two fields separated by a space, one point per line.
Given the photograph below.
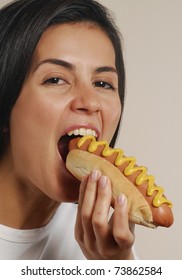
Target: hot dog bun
x=87 y=154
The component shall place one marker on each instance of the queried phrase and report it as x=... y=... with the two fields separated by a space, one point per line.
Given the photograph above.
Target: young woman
x=61 y=71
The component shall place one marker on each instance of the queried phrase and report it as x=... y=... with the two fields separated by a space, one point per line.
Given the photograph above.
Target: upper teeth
x=82 y=132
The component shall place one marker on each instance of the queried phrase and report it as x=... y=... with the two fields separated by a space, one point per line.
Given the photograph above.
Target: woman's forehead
x=75 y=42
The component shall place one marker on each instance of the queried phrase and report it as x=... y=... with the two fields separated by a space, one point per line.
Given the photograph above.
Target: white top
x=55 y=241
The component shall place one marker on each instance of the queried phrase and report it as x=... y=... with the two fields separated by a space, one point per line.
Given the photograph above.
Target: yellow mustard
x=131 y=168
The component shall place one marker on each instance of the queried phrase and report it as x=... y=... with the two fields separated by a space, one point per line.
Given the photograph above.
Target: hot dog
x=147 y=204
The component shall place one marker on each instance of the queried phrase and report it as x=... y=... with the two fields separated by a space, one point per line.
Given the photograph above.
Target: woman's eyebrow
x=106 y=69
x=55 y=61
x=72 y=67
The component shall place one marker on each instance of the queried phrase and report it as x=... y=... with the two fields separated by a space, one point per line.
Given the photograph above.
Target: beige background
x=151 y=129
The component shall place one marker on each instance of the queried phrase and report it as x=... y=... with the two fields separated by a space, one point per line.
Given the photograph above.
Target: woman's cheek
x=112 y=117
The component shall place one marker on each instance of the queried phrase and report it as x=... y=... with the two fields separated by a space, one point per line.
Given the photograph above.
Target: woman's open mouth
x=63 y=143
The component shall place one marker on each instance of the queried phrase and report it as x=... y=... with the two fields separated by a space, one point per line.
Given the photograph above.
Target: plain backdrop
x=151 y=126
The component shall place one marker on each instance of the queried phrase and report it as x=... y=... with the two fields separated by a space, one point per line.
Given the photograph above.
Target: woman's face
x=72 y=85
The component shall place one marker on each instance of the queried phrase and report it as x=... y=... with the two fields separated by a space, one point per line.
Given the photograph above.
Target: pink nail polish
x=102 y=181
x=94 y=175
x=121 y=199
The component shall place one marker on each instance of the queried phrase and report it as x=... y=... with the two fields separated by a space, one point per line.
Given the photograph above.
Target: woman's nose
x=86 y=101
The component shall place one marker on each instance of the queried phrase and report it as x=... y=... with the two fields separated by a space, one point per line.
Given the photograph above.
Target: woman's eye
x=104 y=85
x=54 y=81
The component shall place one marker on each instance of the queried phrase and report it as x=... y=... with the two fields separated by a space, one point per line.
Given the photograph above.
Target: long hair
x=22 y=24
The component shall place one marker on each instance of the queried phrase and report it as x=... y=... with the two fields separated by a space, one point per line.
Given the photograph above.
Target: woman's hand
x=97 y=236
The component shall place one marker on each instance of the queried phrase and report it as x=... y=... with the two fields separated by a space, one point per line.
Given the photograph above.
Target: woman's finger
x=78 y=225
x=101 y=212
x=88 y=202
x=121 y=229
x=88 y=192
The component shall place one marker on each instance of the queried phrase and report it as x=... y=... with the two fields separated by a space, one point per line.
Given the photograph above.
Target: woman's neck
x=21 y=206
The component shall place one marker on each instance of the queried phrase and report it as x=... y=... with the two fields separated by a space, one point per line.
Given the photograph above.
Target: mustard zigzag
x=131 y=168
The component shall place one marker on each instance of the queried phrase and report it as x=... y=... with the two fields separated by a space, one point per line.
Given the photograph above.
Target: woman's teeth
x=82 y=132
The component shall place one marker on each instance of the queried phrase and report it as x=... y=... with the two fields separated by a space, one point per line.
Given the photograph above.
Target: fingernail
x=102 y=181
x=94 y=175
x=121 y=199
